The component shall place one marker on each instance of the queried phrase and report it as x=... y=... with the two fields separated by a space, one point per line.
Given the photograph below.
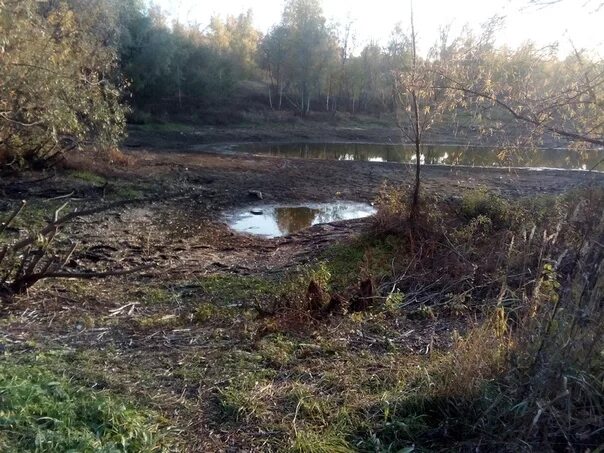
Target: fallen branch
x=19 y=286
x=30 y=260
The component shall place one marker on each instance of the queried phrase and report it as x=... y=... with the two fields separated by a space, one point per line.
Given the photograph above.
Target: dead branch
x=30 y=260
x=16 y=212
x=19 y=286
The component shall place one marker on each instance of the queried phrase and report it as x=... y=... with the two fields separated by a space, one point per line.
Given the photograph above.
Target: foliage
x=237 y=40
x=181 y=71
x=483 y=203
x=527 y=274
x=58 y=84
x=422 y=100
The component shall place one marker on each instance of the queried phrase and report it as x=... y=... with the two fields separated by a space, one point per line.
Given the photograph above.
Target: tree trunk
x=270 y=97
x=418 y=164
x=416 y=189
x=280 y=95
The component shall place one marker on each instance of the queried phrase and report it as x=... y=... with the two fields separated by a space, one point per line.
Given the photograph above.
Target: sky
x=566 y=21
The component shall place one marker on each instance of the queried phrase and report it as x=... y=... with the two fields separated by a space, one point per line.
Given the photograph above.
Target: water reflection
x=276 y=221
x=290 y=220
x=438 y=155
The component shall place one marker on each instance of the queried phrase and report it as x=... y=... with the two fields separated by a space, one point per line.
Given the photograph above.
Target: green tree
x=273 y=59
x=238 y=40
x=58 y=83
x=309 y=48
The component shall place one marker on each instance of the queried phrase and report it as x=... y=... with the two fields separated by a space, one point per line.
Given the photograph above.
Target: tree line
x=73 y=71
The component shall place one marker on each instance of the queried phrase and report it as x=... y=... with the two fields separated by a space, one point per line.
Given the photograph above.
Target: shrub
x=485 y=204
x=57 y=89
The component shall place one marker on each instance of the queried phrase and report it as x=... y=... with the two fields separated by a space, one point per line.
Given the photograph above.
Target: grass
x=88 y=176
x=440 y=361
x=45 y=411
x=236 y=289
x=126 y=191
x=34 y=215
x=361 y=258
x=307 y=441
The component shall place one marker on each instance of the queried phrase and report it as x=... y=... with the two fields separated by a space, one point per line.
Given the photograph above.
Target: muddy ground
x=146 y=335
x=288 y=128
x=188 y=194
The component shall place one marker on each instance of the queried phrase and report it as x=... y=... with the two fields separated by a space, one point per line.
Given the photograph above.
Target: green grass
x=369 y=381
x=88 y=176
x=35 y=215
x=236 y=289
x=331 y=441
x=44 y=411
x=126 y=192
x=364 y=257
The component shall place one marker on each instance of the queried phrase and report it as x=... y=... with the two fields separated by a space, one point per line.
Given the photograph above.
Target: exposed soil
x=143 y=330
x=286 y=127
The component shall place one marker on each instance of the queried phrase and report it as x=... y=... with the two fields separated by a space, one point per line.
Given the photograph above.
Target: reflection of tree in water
x=332 y=213
x=447 y=155
x=290 y=220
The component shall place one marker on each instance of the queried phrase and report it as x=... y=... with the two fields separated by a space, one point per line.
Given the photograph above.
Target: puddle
x=436 y=155
x=275 y=221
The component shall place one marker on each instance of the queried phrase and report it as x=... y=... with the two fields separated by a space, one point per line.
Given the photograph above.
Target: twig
x=16 y=212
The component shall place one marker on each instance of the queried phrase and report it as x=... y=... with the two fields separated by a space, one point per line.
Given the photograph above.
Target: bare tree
x=422 y=100
x=533 y=87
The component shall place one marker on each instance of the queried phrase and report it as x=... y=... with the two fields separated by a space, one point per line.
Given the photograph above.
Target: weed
x=245 y=398
x=156 y=295
x=126 y=192
x=236 y=289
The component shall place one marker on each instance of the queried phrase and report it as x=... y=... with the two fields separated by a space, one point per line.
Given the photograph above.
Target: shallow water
x=275 y=221
x=436 y=155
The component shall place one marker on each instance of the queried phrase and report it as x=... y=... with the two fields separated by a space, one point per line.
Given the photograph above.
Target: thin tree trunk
x=270 y=97
x=416 y=189
x=417 y=131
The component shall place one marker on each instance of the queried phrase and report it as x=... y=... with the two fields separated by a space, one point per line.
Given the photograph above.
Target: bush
x=57 y=89
x=486 y=204
x=531 y=376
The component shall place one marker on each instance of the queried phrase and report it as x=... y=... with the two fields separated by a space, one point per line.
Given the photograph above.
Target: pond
x=275 y=221
x=435 y=155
